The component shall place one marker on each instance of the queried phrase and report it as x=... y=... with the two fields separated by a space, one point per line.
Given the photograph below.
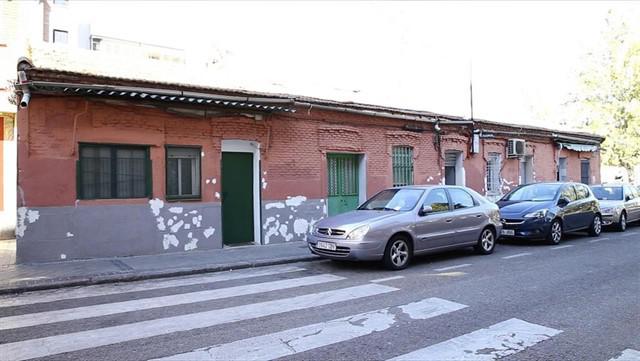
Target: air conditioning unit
x=515 y=148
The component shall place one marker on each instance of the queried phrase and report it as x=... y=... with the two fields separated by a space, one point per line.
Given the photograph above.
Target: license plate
x=508 y=232
x=326 y=245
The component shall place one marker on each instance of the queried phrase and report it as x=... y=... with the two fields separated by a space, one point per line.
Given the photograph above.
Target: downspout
x=75 y=126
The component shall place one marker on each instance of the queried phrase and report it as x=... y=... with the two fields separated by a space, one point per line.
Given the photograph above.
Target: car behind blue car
x=548 y=210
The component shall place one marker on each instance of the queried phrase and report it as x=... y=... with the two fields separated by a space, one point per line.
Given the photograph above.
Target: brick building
x=116 y=167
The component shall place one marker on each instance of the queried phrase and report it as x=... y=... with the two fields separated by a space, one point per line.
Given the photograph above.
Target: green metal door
x=343 y=182
x=237 y=198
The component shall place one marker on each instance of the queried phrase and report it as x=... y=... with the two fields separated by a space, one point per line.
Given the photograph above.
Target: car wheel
x=486 y=242
x=555 y=232
x=622 y=223
x=398 y=253
x=596 y=226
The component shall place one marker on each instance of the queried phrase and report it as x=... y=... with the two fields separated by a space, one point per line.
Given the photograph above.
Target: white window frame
x=494 y=165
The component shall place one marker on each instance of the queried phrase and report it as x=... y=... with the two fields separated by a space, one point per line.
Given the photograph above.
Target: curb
x=145 y=275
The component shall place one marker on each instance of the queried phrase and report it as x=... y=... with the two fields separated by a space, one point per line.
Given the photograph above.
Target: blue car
x=548 y=210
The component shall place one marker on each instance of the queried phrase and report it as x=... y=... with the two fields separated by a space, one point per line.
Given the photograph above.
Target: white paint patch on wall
x=170 y=239
x=209 y=232
x=25 y=216
x=176 y=227
x=283 y=232
x=300 y=226
x=274 y=205
x=295 y=201
x=217 y=195
x=63 y=256
x=193 y=244
x=156 y=204
x=69 y=234
x=161 y=225
x=214 y=181
x=177 y=210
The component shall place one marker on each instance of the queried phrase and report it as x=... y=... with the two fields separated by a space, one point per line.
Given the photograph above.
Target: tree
x=608 y=97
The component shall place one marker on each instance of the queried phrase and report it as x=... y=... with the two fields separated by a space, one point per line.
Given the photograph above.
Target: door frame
x=247 y=146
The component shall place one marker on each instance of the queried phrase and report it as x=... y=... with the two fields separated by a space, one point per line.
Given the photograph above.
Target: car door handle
x=448 y=220
x=478 y=215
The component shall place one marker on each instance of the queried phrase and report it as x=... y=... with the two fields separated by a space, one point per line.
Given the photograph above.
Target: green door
x=237 y=198
x=343 y=182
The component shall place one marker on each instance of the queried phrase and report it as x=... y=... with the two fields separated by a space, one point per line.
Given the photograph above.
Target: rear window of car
x=605 y=193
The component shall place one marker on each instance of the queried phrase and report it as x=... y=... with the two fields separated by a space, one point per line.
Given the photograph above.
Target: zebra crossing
x=303 y=292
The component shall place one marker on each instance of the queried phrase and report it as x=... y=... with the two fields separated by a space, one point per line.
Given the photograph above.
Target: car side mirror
x=426 y=209
x=563 y=201
x=627 y=198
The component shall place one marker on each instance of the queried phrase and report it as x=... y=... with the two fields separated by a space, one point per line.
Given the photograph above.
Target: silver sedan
x=398 y=223
x=619 y=203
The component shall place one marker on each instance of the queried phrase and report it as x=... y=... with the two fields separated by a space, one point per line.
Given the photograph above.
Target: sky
x=522 y=57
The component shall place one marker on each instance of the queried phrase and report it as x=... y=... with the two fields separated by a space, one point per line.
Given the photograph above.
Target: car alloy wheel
x=622 y=225
x=486 y=242
x=399 y=253
x=596 y=226
x=556 y=232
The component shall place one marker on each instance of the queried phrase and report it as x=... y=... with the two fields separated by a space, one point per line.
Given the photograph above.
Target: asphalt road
x=527 y=301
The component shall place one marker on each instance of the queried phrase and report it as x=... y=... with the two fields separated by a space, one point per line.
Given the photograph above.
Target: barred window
x=402 y=166
x=493 y=173
x=113 y=171
x=183 y=172
x=584 y=171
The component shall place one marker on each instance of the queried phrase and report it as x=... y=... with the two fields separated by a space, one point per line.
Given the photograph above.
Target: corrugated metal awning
x=166 y=95
x=579 y=147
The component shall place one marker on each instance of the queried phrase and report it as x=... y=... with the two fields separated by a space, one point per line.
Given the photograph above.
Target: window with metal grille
x=584 y=171
x=183 y=172
x=343 y=175
x=493 y=173
x=113 y=171
x=402 y=166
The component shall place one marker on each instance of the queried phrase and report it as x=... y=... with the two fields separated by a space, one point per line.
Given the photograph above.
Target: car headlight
x=537 y=214
x=358 y=233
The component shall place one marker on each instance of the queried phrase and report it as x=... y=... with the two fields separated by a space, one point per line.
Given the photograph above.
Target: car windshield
x=607 y=193
x=393 y=200
x=534 y=192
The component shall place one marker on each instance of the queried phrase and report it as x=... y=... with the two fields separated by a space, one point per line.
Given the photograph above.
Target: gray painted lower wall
x=290 y=219
x=45 y=234
x=66 y=233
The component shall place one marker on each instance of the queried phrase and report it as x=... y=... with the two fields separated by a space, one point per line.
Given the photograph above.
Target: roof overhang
x=262 y=104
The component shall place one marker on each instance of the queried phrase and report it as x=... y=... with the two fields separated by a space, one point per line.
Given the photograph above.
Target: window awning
x=579 y=147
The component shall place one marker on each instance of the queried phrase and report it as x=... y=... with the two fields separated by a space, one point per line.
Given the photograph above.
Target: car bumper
x=362 y=250
x=609 y=219
x=534 y=228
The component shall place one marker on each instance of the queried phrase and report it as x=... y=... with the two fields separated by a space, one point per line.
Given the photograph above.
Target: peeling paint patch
x=207 y=181
x=209 y=232
x=187 y=226
x=274 y=205
x=170 y=239
x=217 y=195
x=295 y=201
x=190 y=235
x=214 y=181
x=161 y=225
x=193 y=244
x=69 y=234
x=177 y=210
x=156 y=204
x=63 y=256
x=283 y=232
x=25 y=216
x=176 y=227
x=300 y=226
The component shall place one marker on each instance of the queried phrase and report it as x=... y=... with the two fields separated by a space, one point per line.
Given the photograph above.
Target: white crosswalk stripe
x=628 y=355
x=114 y=289
x=292 y=341
x=497 y=341
x=52 y=345
x=39 y=318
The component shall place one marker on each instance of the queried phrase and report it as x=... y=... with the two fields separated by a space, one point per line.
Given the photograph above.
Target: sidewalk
x=31 y=277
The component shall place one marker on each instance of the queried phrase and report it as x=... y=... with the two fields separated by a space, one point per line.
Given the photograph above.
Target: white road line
x=517 y=255
x=111 y=289
x=500 y=340
x=40 y=318
x=387 y=279
x=52 y=345
x=293 y=341
x=561 y=247
x=628 y=355
x=598 y=240
x=452 y=267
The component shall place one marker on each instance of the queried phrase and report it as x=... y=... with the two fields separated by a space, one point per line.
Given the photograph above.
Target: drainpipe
x=26 y=93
